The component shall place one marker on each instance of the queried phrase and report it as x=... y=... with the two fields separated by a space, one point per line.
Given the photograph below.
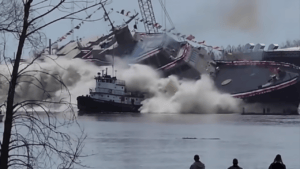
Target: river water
x=155 y=141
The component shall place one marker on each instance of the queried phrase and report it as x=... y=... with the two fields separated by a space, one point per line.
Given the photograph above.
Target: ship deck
x=247 y=78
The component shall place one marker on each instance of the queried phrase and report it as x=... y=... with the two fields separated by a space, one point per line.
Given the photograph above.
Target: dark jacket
x=197 y=165
x=277 y=165
x=235 y=167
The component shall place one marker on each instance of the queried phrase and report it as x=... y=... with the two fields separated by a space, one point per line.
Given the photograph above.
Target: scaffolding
x=148 y=16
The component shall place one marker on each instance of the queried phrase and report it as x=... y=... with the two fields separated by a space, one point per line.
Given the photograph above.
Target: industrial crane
x=148 y=16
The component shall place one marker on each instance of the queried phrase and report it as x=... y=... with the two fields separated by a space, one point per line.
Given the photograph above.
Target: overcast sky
x=218 y=22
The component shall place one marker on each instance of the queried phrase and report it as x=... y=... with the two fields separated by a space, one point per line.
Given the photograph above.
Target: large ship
x=253 y=81
x=110 y=95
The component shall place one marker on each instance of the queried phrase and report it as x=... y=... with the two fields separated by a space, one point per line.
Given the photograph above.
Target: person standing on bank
x=235 y=164
x=277 y=164
x=197 y=164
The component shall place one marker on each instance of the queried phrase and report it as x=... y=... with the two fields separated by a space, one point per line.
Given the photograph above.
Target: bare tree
x=32 y=137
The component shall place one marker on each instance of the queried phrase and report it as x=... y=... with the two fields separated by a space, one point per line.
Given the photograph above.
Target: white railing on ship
x=108 y=91
x=120 y=82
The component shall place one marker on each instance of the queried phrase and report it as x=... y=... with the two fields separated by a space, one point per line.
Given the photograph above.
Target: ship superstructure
x=252 y=81
x=110 y=95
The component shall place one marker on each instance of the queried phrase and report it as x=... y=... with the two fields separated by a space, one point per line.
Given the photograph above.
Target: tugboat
x=110 y=96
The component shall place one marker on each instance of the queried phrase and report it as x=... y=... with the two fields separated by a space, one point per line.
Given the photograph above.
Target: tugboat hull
x=91 y=105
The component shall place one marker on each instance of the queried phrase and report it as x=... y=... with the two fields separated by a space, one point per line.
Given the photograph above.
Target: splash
x=171 y=95
x=41 y=80
x=165 y=95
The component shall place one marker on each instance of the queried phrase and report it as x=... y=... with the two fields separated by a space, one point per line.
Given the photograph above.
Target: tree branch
x=64 y=17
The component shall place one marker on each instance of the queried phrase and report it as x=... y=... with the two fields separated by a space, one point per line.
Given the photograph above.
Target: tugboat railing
x=107 y=91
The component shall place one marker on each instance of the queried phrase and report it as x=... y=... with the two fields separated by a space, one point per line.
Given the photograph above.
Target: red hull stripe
x=183 y=56
x=266 y=90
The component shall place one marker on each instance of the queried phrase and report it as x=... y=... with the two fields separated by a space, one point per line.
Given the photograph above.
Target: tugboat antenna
x=112 y=69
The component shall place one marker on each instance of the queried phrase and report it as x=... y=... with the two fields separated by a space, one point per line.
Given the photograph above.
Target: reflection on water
x=158 y=140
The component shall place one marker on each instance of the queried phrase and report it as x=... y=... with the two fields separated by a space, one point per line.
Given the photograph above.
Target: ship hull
x=89 y=104
x=251 y=81
x=288 y=94
x=283 y=101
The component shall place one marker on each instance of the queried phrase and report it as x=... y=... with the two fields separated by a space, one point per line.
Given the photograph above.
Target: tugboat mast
x=113 y=57
x=113 y=30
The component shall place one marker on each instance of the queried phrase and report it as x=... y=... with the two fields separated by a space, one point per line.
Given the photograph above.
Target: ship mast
x=113 y=57
x=106 y=14
x=113 y=29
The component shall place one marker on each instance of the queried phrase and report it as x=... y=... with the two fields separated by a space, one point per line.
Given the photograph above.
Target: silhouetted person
x=277 y=164
x=235 y=164
x=197 y=164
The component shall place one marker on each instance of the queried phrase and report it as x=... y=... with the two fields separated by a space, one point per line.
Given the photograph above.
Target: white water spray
x=77 y=75
x=170 y=95
x=167 y=95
